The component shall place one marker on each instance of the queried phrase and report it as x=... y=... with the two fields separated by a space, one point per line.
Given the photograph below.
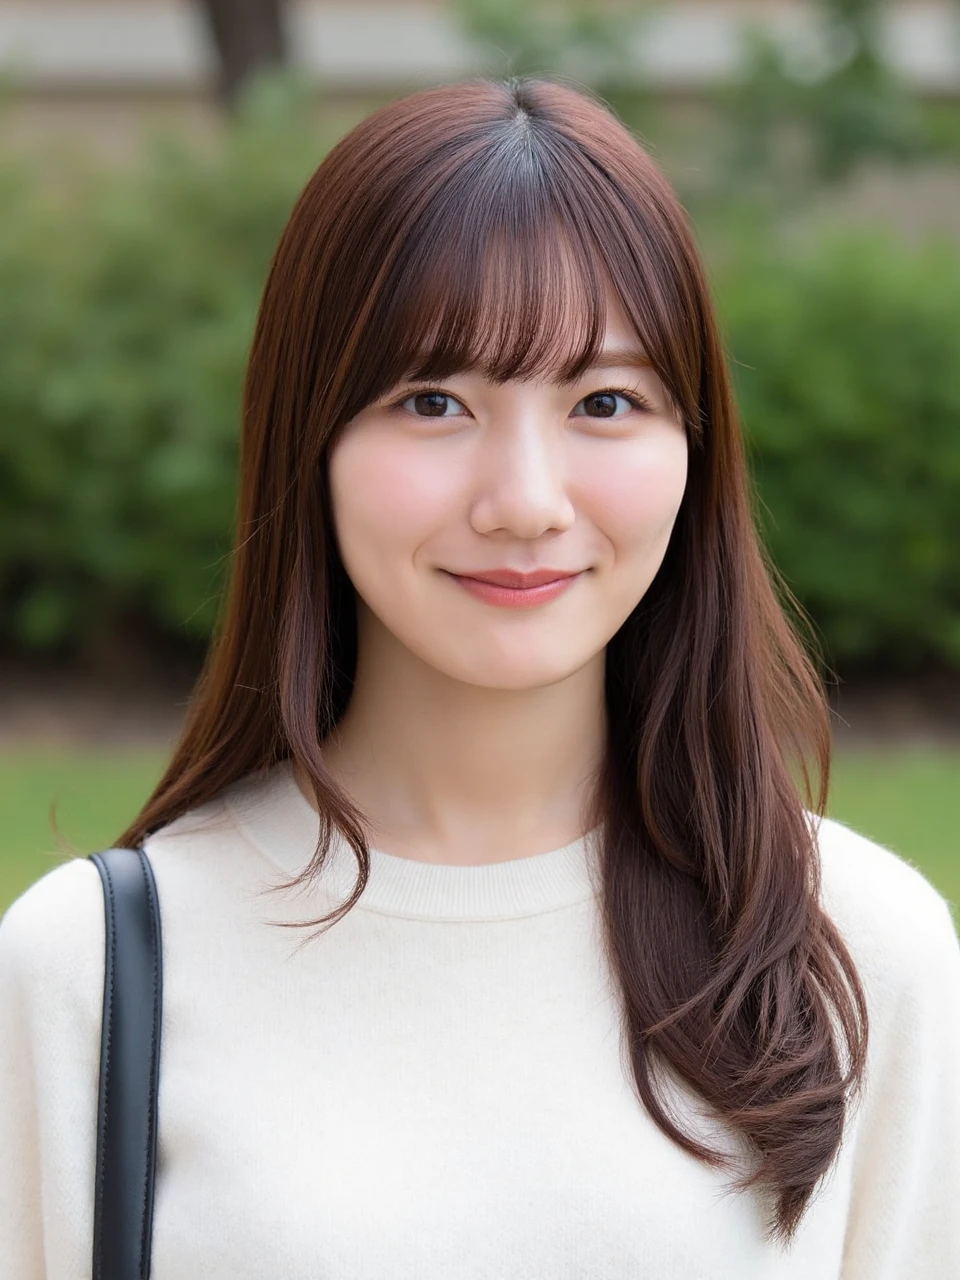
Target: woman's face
x=467 y=476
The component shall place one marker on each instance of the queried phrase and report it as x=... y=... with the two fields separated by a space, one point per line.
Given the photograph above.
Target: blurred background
x=150 y=154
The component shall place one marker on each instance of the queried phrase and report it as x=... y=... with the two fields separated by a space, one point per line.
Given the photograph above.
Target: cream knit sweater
x=434 y=1089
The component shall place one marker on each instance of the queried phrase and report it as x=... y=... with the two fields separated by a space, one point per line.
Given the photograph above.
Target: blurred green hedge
x=847 y=366
x=127 y=302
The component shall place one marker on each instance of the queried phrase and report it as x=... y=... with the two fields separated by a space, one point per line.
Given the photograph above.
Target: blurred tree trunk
x=249 y=36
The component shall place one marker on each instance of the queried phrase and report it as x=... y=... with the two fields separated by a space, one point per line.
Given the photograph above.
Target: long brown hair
x=477 y=225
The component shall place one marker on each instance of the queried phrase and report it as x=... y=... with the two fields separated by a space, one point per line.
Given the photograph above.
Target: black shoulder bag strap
x=129 y=1067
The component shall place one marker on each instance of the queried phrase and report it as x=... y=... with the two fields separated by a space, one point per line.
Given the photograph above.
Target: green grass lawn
x=96 y=792
x=907 y=799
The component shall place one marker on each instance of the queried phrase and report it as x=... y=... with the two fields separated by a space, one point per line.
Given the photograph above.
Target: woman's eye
x=603 y=404
x=430 y=404
x=599 y=404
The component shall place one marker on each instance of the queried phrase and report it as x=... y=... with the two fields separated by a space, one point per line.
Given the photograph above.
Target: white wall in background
x=56 y=44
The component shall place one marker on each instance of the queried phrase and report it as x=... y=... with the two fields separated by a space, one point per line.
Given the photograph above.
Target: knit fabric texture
x=437 y=1087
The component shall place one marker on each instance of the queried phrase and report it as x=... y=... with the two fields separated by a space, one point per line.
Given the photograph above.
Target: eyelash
x=636 y=400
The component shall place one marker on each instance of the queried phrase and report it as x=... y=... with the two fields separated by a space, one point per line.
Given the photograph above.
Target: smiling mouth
x=514 y=597
x=518 y=579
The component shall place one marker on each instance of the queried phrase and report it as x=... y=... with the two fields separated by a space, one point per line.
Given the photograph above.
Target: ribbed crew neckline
x=274 y=815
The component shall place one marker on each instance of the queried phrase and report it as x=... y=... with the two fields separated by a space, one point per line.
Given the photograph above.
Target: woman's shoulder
x=55 y=928
x=53 y=933
x=52 y=964
x=895 y=921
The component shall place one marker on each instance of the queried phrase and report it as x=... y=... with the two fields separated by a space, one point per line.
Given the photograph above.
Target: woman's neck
x=445 y=772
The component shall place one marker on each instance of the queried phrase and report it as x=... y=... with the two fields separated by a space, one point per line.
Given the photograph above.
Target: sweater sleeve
x=51 y=992
x=906 y=1166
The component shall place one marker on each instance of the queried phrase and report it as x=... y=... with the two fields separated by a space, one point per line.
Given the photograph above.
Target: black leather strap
x=129 y=1067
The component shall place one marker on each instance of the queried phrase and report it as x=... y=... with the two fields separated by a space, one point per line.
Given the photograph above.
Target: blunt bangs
x=505 y=269
x=519 y=304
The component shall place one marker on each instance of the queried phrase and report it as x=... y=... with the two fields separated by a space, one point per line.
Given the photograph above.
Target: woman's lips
x=515 y=597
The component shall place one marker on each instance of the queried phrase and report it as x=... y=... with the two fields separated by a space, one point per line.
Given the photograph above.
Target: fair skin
x=474 y=733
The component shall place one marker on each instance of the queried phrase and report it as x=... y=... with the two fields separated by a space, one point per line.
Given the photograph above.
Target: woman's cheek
x=634 y=498
x=383 y=490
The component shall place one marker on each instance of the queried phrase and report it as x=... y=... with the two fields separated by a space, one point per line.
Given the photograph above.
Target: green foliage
x=127 y=303
x=804 y=114
x=846 y=358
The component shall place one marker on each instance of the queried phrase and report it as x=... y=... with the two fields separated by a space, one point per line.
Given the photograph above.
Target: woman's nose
x=524 y=481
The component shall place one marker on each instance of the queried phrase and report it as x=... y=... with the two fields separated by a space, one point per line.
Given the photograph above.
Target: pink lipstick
x=515 y=597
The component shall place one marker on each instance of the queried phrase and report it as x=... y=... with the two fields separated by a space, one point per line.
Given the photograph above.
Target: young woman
x=499 y=940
